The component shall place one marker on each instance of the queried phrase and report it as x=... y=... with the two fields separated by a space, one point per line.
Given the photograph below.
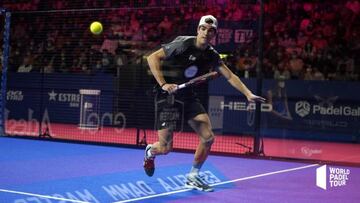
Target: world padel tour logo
x=302 y=108
x=331 y=176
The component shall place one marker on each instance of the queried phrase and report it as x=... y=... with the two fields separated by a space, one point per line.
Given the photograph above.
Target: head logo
x=302 y=108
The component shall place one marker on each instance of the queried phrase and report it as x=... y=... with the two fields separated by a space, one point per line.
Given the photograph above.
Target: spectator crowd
x=309 y=40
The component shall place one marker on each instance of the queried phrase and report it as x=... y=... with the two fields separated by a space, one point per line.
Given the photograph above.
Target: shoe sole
x=197 y=188
x=149 y=172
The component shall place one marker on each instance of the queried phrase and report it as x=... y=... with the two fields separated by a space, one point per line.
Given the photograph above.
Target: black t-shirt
x=184 y=61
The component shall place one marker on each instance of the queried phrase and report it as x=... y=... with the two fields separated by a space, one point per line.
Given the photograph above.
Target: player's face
x=205 y=34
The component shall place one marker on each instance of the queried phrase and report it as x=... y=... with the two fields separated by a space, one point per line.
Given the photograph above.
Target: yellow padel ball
x=96 y=28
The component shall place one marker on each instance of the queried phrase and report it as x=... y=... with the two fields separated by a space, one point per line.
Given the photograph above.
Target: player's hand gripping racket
x=198 y=80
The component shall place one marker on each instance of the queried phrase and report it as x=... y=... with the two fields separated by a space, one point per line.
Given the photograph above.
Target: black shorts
x=171 y=111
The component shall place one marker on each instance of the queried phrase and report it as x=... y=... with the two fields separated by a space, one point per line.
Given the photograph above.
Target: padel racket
x=200 y=79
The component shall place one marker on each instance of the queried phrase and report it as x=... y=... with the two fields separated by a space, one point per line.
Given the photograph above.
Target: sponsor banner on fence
x=28 y=96
x=291 y=105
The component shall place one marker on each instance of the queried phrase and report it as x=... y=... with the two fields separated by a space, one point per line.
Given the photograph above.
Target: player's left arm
x=235 y=81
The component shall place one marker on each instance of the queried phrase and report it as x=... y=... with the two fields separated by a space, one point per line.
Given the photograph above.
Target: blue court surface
x=44 y=171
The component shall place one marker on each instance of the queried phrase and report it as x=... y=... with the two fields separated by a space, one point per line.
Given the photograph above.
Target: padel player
x=183 y=59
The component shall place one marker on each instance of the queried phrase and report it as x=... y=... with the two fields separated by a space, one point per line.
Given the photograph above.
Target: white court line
x=42 y=196
x=221 y=183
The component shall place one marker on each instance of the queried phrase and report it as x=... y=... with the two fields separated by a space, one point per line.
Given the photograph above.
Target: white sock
x=149 y=155
x=194 y=173
x=195 y=169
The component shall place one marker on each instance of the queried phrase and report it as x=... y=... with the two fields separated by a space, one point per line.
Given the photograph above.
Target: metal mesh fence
x=56 y=65
x=66 y=83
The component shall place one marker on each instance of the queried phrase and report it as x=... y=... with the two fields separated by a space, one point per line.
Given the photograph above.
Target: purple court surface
x=43 y=171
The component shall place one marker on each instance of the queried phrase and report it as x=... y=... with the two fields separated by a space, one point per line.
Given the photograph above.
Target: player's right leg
x=163 y=146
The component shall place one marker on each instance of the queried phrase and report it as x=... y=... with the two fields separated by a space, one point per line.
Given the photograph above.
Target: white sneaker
x=149 y=164
x=195 y=182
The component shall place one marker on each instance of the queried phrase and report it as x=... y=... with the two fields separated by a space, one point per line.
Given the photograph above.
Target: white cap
x=209 y=20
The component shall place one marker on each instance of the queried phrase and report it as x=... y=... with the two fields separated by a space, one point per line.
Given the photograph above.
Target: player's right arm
x=154 y=61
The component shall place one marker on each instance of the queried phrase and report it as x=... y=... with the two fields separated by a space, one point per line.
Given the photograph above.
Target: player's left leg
x=202 y=126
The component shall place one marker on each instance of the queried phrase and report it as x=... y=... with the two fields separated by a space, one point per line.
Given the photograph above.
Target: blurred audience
x=310 y=40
